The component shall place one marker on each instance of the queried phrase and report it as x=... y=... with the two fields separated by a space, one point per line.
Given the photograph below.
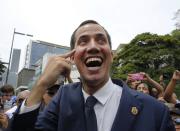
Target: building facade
x=25 y=76
x=40 y=66
x=13 y=69
x=36 y=49
x=36 y=58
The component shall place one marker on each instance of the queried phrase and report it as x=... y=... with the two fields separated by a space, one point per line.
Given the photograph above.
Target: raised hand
x=176 y=75
x=56 y=66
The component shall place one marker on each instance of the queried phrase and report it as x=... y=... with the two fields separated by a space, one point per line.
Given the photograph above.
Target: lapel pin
x=134 y=110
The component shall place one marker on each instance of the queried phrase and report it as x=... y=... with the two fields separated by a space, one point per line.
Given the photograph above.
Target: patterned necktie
x=91 y=122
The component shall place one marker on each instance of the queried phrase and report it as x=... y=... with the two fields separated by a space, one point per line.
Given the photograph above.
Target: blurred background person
x=133 y=81
x=29 y=114
x=144 y=83
x=7 y=95
x=3 y=121
x=21 y=96
x=143 y=87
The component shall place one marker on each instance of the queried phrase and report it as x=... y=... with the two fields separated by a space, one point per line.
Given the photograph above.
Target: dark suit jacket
x=136 y=112
x=66 y=113
x=23 y=122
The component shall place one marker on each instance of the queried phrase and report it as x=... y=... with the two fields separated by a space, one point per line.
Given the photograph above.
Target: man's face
x=7 y=96
x=93 y=55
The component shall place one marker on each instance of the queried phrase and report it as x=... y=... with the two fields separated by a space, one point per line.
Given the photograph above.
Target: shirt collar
x=103 y=94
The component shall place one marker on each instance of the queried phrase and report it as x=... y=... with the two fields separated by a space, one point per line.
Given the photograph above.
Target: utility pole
x=19 y=33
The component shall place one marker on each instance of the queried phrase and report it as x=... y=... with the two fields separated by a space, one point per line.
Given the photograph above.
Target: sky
x=54 y=20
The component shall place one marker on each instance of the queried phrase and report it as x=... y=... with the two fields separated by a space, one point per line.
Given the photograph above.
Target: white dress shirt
x=108 y=102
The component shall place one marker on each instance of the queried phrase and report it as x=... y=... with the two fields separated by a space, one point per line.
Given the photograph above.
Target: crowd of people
x=15 y=101
x=142 y=82
x=53 y=106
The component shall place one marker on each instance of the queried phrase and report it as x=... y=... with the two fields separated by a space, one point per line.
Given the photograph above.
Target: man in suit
x=116 y=106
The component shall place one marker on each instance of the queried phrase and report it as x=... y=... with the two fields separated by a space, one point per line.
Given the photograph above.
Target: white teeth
x=93 y=59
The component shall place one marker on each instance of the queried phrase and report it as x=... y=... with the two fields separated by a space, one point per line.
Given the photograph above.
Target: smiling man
x=93 y=56
x=116 y=106
x=96 y=103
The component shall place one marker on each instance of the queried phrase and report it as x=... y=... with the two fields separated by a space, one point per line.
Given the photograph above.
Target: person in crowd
x=132 y=82
x=20 y=98
x=5 y=117
x=143 y=87
x=161 y=81
x=29 y=117
x=97 y=103
x=175 y=114
x=141 y=81
x=1 y=102
x=156 y=90
x=169 y=94
x=7 y=94
x=3 y=121
x=7 y=91
x=47 y=96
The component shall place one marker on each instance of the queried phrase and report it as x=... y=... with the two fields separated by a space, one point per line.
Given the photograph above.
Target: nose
x=93 y=47
x=8 y=98
x=141 y=89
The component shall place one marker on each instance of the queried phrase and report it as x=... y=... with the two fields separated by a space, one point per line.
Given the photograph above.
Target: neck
x=93 y=86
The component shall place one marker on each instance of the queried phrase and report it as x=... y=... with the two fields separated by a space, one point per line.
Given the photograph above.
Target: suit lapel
x=128 y=110
x=74 y=109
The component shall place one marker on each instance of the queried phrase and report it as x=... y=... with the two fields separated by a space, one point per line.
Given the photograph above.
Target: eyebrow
x=97 y=35
x=100 y=35
x=83 y=37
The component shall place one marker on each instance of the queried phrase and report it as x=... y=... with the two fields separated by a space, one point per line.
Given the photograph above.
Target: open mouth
x=94 y=62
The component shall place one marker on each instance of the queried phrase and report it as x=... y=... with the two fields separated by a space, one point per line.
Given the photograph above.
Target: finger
x=68 y=54
x=68 y=61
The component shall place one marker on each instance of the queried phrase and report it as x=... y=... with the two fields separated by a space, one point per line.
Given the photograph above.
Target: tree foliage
x=150 y=53
x=177 y=18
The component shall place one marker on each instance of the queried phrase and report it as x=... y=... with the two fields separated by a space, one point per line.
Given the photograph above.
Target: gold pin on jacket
x=134 y=110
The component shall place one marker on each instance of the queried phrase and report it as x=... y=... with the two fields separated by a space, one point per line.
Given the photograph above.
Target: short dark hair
x=72 y=42
x=53 y=89
x=7 y=89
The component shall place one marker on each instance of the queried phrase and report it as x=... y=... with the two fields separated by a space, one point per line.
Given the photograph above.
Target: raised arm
x=154 y=84
x=168 y=94
x=57 y=65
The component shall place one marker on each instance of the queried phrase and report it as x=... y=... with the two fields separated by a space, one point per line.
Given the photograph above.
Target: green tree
x=176 y=34
x=177 y=18
x=150 y=53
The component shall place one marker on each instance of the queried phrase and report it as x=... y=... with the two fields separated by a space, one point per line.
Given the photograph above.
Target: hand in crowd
x=145 y=77
x=176 y=75
x=3 y=120
x=142 y=76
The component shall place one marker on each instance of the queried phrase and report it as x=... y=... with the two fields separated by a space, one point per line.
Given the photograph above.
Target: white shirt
x=108 y=102
x=105 y=109
x=10 y=112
